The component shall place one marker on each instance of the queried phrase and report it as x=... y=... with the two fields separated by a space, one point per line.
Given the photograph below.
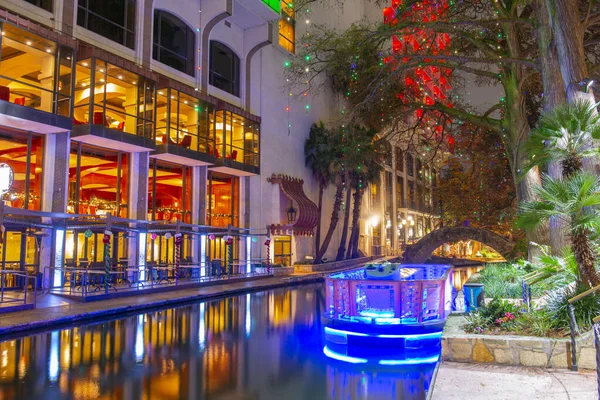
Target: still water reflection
x=264 y=345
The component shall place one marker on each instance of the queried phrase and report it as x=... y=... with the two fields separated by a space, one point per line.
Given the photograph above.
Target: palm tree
x=563 y=136
x=330 y=155
x=576 y=200
x=368 y=173
x=319 y=158
x=360 y=159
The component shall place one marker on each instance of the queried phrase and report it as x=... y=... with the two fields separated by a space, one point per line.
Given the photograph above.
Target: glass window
x=287 y=26
x=113 y=19
x=399 y=160
x=282 y=249
x=26 y=161
x=420 y=171
x=399 y=192
x=35 y=72
x=241 y=138
x=273 y=4
x=388 y=192
x=374 y=195
x=222 y=200
x=117 y=99
x=98 y=181
x=224 y=68
x=409 y=165
x=184 y=121
x=45 y=4
x=174 y=42
x=169 y=192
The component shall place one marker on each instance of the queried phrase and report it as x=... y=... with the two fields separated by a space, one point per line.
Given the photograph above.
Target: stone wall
x=518 y=350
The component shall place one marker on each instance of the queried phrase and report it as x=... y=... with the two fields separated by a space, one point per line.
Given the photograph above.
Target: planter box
x=276 y=271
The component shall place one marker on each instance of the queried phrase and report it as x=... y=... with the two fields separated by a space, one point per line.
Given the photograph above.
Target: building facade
x=159 y=111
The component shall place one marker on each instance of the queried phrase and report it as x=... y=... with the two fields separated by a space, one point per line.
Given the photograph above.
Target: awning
x=308 y=212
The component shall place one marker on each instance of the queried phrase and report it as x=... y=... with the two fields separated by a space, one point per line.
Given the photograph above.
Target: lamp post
x=291 y=214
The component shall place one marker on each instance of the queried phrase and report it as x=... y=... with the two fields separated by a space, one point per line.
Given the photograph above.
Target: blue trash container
x=474 y=294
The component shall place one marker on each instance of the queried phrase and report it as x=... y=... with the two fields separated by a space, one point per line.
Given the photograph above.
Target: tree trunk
x=355 y=223
x=516 y=123
x=320 y=207
x=335 y=217
x=554 y=94
x=585 y=257
x=568 y=35
x=342 y=249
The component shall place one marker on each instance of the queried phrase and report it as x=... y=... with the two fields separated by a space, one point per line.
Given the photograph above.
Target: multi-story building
x=159 y=111
x=402 y=206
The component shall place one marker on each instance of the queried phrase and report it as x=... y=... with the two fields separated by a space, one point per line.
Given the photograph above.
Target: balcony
x=113 y=107
x=36 y=77
x=184 y=132
x=237 y=144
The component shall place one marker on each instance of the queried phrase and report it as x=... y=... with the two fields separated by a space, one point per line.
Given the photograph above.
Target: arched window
x=113 y=19
x=224 y=68
x=174 y=42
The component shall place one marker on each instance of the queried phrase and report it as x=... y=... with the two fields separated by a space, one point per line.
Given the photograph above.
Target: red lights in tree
x=427 y=84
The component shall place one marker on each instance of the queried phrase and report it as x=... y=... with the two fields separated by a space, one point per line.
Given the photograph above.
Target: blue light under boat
x=340 y=332
x=344 y=358
x=411 y=361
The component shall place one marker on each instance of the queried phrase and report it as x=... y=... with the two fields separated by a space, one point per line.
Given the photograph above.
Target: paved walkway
x=493 y=382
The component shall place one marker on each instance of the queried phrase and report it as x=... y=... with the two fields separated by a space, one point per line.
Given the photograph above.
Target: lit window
x=287 y=27
x=224 y=68
x=174 y=42
x=114 y=19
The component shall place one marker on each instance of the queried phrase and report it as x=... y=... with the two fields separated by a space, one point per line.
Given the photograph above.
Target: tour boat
x=393 y=314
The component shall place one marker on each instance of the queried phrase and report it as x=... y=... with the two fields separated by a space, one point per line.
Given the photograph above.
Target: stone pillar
x=198 y=206
x=69 y=12
x=138 y=197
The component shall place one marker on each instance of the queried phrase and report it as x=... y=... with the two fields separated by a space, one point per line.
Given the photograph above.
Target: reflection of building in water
x=344 y=382
x=198 y=351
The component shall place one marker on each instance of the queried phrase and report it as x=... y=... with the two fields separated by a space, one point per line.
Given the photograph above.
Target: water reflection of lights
x=358 y=360
x=341 y=357
x=201 y=329
x=53 y=363
x=340 y=332
x=139 y=339
x=411 y=361
x=248 y=315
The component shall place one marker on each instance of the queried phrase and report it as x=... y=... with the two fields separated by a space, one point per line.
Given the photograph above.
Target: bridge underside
x=421 y=251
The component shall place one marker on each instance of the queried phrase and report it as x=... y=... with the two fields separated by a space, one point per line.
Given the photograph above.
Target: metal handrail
x=574 y=329
x=21 y=274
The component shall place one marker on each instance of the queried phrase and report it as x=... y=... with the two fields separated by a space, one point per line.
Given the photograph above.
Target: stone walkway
x=493 y=382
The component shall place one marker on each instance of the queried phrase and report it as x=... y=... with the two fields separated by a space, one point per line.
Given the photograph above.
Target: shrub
x=497 y=309
x=536 y=322
x=586 y=309
x=476 y=322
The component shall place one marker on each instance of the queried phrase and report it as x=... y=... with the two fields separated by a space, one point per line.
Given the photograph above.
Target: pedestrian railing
x=597 y=346
x=574 y=329
x=88 y=282
x=16 y=297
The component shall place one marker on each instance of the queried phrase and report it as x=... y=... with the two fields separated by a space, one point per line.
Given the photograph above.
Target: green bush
x=476 y=322
x=535 y=323
x=497 y=308
x=504 y=280
x=586 y=309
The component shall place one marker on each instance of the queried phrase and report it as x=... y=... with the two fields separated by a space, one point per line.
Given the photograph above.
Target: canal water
x=259 y=346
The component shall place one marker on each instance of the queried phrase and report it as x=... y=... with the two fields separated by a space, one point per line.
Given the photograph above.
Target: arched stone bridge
x=421 y=251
